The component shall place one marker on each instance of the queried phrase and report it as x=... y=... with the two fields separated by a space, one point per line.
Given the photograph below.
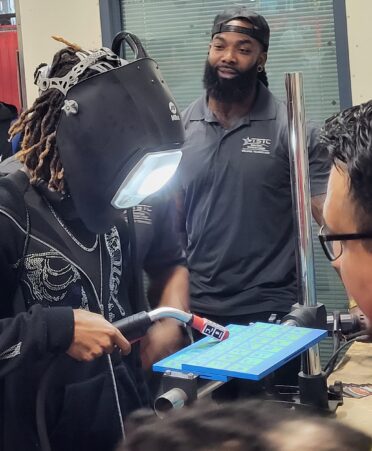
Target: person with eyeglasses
x=346 y=234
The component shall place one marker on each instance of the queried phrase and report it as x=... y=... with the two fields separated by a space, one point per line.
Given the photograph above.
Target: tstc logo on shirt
x=256 y=145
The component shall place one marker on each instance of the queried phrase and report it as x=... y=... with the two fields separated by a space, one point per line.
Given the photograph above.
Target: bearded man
x=235 y=181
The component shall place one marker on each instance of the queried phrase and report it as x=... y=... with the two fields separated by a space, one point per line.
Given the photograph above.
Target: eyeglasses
x=332 y=244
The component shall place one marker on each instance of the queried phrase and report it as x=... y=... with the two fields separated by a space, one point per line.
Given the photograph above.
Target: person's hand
x=94 y=336
x=163 y=339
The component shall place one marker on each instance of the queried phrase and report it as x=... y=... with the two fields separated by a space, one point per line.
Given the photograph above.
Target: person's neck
x=228 y=113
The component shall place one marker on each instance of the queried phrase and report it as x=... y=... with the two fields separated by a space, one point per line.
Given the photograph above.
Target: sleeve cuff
x=60 y=328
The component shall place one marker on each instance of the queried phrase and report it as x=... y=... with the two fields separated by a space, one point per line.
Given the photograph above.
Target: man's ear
x=261 y=60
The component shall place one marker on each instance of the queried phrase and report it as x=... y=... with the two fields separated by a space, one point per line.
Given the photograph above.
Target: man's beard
x=232 y=89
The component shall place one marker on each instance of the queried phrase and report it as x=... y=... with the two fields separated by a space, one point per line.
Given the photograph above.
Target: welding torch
x=135 y=326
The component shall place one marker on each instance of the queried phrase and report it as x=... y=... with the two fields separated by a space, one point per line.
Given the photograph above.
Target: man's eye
x=218 y=46
x=245 y=51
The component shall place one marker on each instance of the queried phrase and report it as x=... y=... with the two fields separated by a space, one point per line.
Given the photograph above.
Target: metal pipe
x=172 y=399
x=301 y=200
x=170 y=312
x=208 y=388
x=176 y=398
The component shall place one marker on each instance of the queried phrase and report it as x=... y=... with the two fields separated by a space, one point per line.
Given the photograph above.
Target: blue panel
x=250 y=352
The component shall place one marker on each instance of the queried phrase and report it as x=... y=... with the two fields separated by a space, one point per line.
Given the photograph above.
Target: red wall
x=9 y=89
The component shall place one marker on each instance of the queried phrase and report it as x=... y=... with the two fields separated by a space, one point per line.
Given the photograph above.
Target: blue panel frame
x=252 y=352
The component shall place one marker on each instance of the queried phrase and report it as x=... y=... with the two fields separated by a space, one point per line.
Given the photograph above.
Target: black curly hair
x=348 y=138
x=38 y=125
x=249 y=425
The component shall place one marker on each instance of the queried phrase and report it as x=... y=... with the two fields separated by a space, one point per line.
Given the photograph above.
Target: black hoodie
x=37 y=294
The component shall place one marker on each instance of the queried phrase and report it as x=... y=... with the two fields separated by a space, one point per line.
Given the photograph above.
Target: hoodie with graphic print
x=49 y=266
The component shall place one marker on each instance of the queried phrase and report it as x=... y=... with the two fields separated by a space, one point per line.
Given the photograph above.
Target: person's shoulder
x=273 y=102
x=280 y=105
x=268 y=107
x=10 y=165
x=312 y=126
x=12 y=190
x=7 y=111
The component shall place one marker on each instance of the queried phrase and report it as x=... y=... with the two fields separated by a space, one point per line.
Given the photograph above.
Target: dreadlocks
x=38 y=125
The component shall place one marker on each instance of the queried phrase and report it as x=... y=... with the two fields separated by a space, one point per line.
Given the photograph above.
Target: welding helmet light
x=150 y=174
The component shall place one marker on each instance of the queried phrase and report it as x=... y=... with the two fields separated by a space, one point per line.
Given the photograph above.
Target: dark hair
x=38 y=126
x=348 y=138
x=242 y=425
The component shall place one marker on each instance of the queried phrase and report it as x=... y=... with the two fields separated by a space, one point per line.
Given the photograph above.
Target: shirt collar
x=264 y=108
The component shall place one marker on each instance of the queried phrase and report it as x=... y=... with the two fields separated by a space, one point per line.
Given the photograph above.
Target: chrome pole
x=301 y=200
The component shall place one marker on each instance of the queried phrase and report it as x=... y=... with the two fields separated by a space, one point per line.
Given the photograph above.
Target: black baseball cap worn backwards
x=260 y=30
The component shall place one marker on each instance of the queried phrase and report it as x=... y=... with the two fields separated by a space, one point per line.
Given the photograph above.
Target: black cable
x=357 y=334
x=329 y=366
x=28 y=232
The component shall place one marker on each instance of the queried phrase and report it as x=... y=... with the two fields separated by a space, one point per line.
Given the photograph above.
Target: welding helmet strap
x=132 y=40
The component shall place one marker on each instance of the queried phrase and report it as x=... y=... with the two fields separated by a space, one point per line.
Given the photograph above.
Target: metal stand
x=312 y=393
x=301 y=201
x=312 y=390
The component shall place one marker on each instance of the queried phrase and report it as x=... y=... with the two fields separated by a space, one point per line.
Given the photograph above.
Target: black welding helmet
x=119 y=135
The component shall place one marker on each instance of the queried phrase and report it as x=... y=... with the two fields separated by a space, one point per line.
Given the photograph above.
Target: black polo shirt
x=158 y=243
x=238 y=208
